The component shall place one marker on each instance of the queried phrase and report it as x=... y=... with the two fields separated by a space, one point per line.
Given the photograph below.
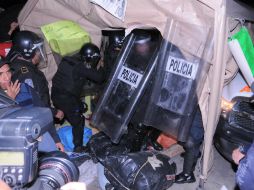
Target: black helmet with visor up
x=26 y=44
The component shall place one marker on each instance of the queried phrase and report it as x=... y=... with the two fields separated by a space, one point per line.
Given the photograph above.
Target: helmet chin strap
x=12 y=55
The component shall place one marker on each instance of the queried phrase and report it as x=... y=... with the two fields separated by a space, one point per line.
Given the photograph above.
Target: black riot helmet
x=90 y=55
x=26 y=44
x=115 y=37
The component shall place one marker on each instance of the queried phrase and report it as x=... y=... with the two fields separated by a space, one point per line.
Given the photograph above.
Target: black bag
x=139 y=137
x=140 y=171
x=100 y=147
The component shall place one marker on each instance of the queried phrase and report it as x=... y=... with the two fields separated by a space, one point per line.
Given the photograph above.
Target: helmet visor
x=41 y=52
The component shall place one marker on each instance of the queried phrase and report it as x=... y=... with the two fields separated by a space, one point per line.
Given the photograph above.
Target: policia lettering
x=181 y=67
x=129 y=76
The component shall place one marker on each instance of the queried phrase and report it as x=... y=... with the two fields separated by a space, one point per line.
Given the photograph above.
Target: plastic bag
x=241 y=46
x=65 y=37
x=65 y=134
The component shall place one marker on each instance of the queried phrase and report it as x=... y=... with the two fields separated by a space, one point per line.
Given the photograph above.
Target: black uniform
x=192 y=149
x=66 y=91
x=27 y=72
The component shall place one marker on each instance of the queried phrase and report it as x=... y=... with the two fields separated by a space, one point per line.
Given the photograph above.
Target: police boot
x=187 y=175
x=80 y=149
x=185 y=178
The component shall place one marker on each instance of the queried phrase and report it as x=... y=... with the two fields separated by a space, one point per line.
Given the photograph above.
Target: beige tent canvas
x=208 y=13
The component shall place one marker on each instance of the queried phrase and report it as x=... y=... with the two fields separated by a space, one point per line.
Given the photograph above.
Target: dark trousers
x=192 y=145
x=72 y=108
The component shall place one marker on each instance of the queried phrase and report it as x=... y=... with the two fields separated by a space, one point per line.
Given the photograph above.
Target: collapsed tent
x=206 y=13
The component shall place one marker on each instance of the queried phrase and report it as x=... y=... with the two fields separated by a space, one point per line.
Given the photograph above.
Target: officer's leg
x=71 y=108
x=191 y=147
x=190 y=159
x=77 y=120
x=190 y=156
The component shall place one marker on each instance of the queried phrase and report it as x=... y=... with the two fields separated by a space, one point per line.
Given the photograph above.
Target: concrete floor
x=221 y=175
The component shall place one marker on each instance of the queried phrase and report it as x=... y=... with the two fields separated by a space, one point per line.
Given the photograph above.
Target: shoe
x=185 y=178
x=80 y=149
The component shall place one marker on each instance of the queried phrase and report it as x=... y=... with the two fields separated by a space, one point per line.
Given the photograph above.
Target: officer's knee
x=190 y=144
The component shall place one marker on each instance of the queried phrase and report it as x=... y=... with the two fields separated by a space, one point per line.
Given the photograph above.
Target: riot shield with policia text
x=127 y=82
x=180 y=75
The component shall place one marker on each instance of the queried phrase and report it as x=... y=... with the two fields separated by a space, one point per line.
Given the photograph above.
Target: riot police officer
x=112 y=42
x=67 y=85
x=24 y=56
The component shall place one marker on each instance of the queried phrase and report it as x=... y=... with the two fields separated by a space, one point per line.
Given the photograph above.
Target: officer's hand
x=13 y=26
x=13 y=89
x=59 y=114
x=237 y=155
x=60 y=146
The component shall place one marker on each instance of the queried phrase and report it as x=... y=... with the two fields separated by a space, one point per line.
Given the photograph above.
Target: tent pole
x=216 y=86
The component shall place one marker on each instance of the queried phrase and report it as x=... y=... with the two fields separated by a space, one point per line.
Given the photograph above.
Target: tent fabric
x=92 y=18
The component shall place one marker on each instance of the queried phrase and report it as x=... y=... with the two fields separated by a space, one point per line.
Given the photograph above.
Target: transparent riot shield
x=182 y=68
x=127 y=82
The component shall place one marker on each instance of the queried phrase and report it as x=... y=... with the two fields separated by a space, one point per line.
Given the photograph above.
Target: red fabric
x=166 y=140
x=4 y=48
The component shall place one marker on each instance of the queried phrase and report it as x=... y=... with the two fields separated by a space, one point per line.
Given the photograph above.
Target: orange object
x=245 y=89
x=166 y=140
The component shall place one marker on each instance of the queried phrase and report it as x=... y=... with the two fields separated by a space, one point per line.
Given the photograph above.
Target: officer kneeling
x=72 y=73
